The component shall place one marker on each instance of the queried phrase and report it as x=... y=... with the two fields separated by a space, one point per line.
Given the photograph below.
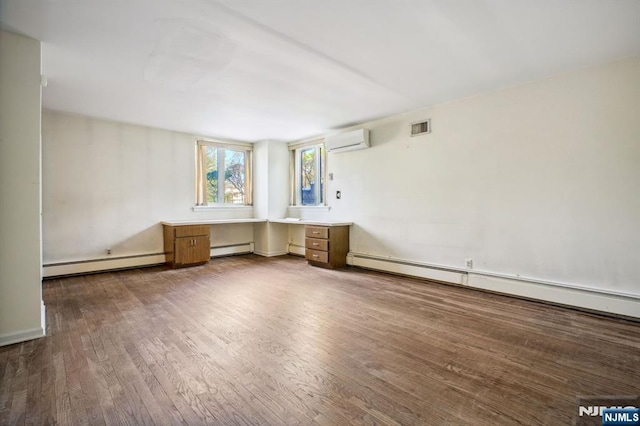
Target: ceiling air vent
x=421 y=128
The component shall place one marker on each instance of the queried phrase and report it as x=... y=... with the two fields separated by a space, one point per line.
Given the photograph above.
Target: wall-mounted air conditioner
x=348 y=141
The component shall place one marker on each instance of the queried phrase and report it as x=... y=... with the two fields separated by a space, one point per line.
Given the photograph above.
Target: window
x=223 y=174
x=308 y=167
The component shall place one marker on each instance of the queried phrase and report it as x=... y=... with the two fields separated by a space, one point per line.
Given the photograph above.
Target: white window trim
x=225 y=207
x=302 y=209
x=294 y=171
x=201 y=203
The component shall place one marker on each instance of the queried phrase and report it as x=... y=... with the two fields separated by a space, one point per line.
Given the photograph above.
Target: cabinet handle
x=316 y=232
x=315 y=244
x=315 y=255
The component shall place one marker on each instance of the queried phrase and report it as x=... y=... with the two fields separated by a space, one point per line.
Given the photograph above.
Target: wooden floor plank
x=47 y=390
x=252 y=340
x=9 y=368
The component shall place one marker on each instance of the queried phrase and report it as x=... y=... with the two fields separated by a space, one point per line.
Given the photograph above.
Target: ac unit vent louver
x=421 y=128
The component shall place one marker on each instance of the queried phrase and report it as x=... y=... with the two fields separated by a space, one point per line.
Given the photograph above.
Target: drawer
x=191 y=230
x=316 y=256
x=316 y=232
x=316 y=244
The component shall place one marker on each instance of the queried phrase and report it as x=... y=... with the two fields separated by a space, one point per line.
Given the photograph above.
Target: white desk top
x=311 y=222
x=211 y=221
x=254 y=220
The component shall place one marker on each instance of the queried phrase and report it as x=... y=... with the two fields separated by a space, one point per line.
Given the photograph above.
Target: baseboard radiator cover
x=296 y=249
x=88 y=266
x=589 y=299
x=270 y=253
x=232 y=249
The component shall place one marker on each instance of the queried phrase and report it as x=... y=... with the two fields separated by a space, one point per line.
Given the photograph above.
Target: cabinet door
x=191 y=250
x=202 y=249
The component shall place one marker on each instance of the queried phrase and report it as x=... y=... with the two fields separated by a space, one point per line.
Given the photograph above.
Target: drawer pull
x=316 y=244
x=316 y=232
x=315 y=255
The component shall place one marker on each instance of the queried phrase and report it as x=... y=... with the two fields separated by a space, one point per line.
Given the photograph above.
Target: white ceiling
x=290 y=69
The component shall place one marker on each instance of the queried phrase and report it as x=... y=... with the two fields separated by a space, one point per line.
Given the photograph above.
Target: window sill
x=221 y=207
x=310 y=208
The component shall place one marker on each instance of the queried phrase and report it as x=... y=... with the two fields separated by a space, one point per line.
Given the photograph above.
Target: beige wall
x=271 y=196
x=21 y=309
x=536 y=183
x=108 y=185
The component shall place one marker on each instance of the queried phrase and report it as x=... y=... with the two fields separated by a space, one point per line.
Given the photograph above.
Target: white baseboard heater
x=86 y=266
x=585 y=298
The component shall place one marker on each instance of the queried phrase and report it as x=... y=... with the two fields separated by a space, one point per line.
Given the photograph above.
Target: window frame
x=201 y=172
x=295 y=154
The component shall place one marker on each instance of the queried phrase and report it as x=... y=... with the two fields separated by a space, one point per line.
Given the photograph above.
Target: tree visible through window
x=224 y=174
x=309 y=175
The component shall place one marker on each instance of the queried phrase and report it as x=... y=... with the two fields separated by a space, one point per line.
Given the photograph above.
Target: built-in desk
x=187 y=242
x=211 y=222
x=311 y=222
x=326 y=242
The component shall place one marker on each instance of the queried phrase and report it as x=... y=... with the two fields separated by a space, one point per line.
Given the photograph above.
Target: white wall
x=538 y=184
x=271 y=177
x=21 y=308
x=535 y=183
x=108 y=185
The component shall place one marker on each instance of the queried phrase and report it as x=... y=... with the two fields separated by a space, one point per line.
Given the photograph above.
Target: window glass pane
x=321 y=174
x=308 y=176
x=223 y=175
x=234 y=176
x=211 y=170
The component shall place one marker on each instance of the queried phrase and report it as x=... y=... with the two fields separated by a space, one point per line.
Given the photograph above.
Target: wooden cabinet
x=186 y=245
x=326 y=246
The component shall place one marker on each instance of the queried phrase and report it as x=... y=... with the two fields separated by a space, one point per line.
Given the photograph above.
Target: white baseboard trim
x=296 y=249
x=135 y=261
x=22 y=336
x=403 y=267
x=97 y=265
x=43 y=316
x=580 y=297
x=270 y=253
x=585 y=299
x=232 y=249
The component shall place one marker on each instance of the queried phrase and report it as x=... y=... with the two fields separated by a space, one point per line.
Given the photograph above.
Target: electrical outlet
x=108 y=251
x=469 y=263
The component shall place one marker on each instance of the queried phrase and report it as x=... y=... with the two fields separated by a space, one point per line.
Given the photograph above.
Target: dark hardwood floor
x=252 y=340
